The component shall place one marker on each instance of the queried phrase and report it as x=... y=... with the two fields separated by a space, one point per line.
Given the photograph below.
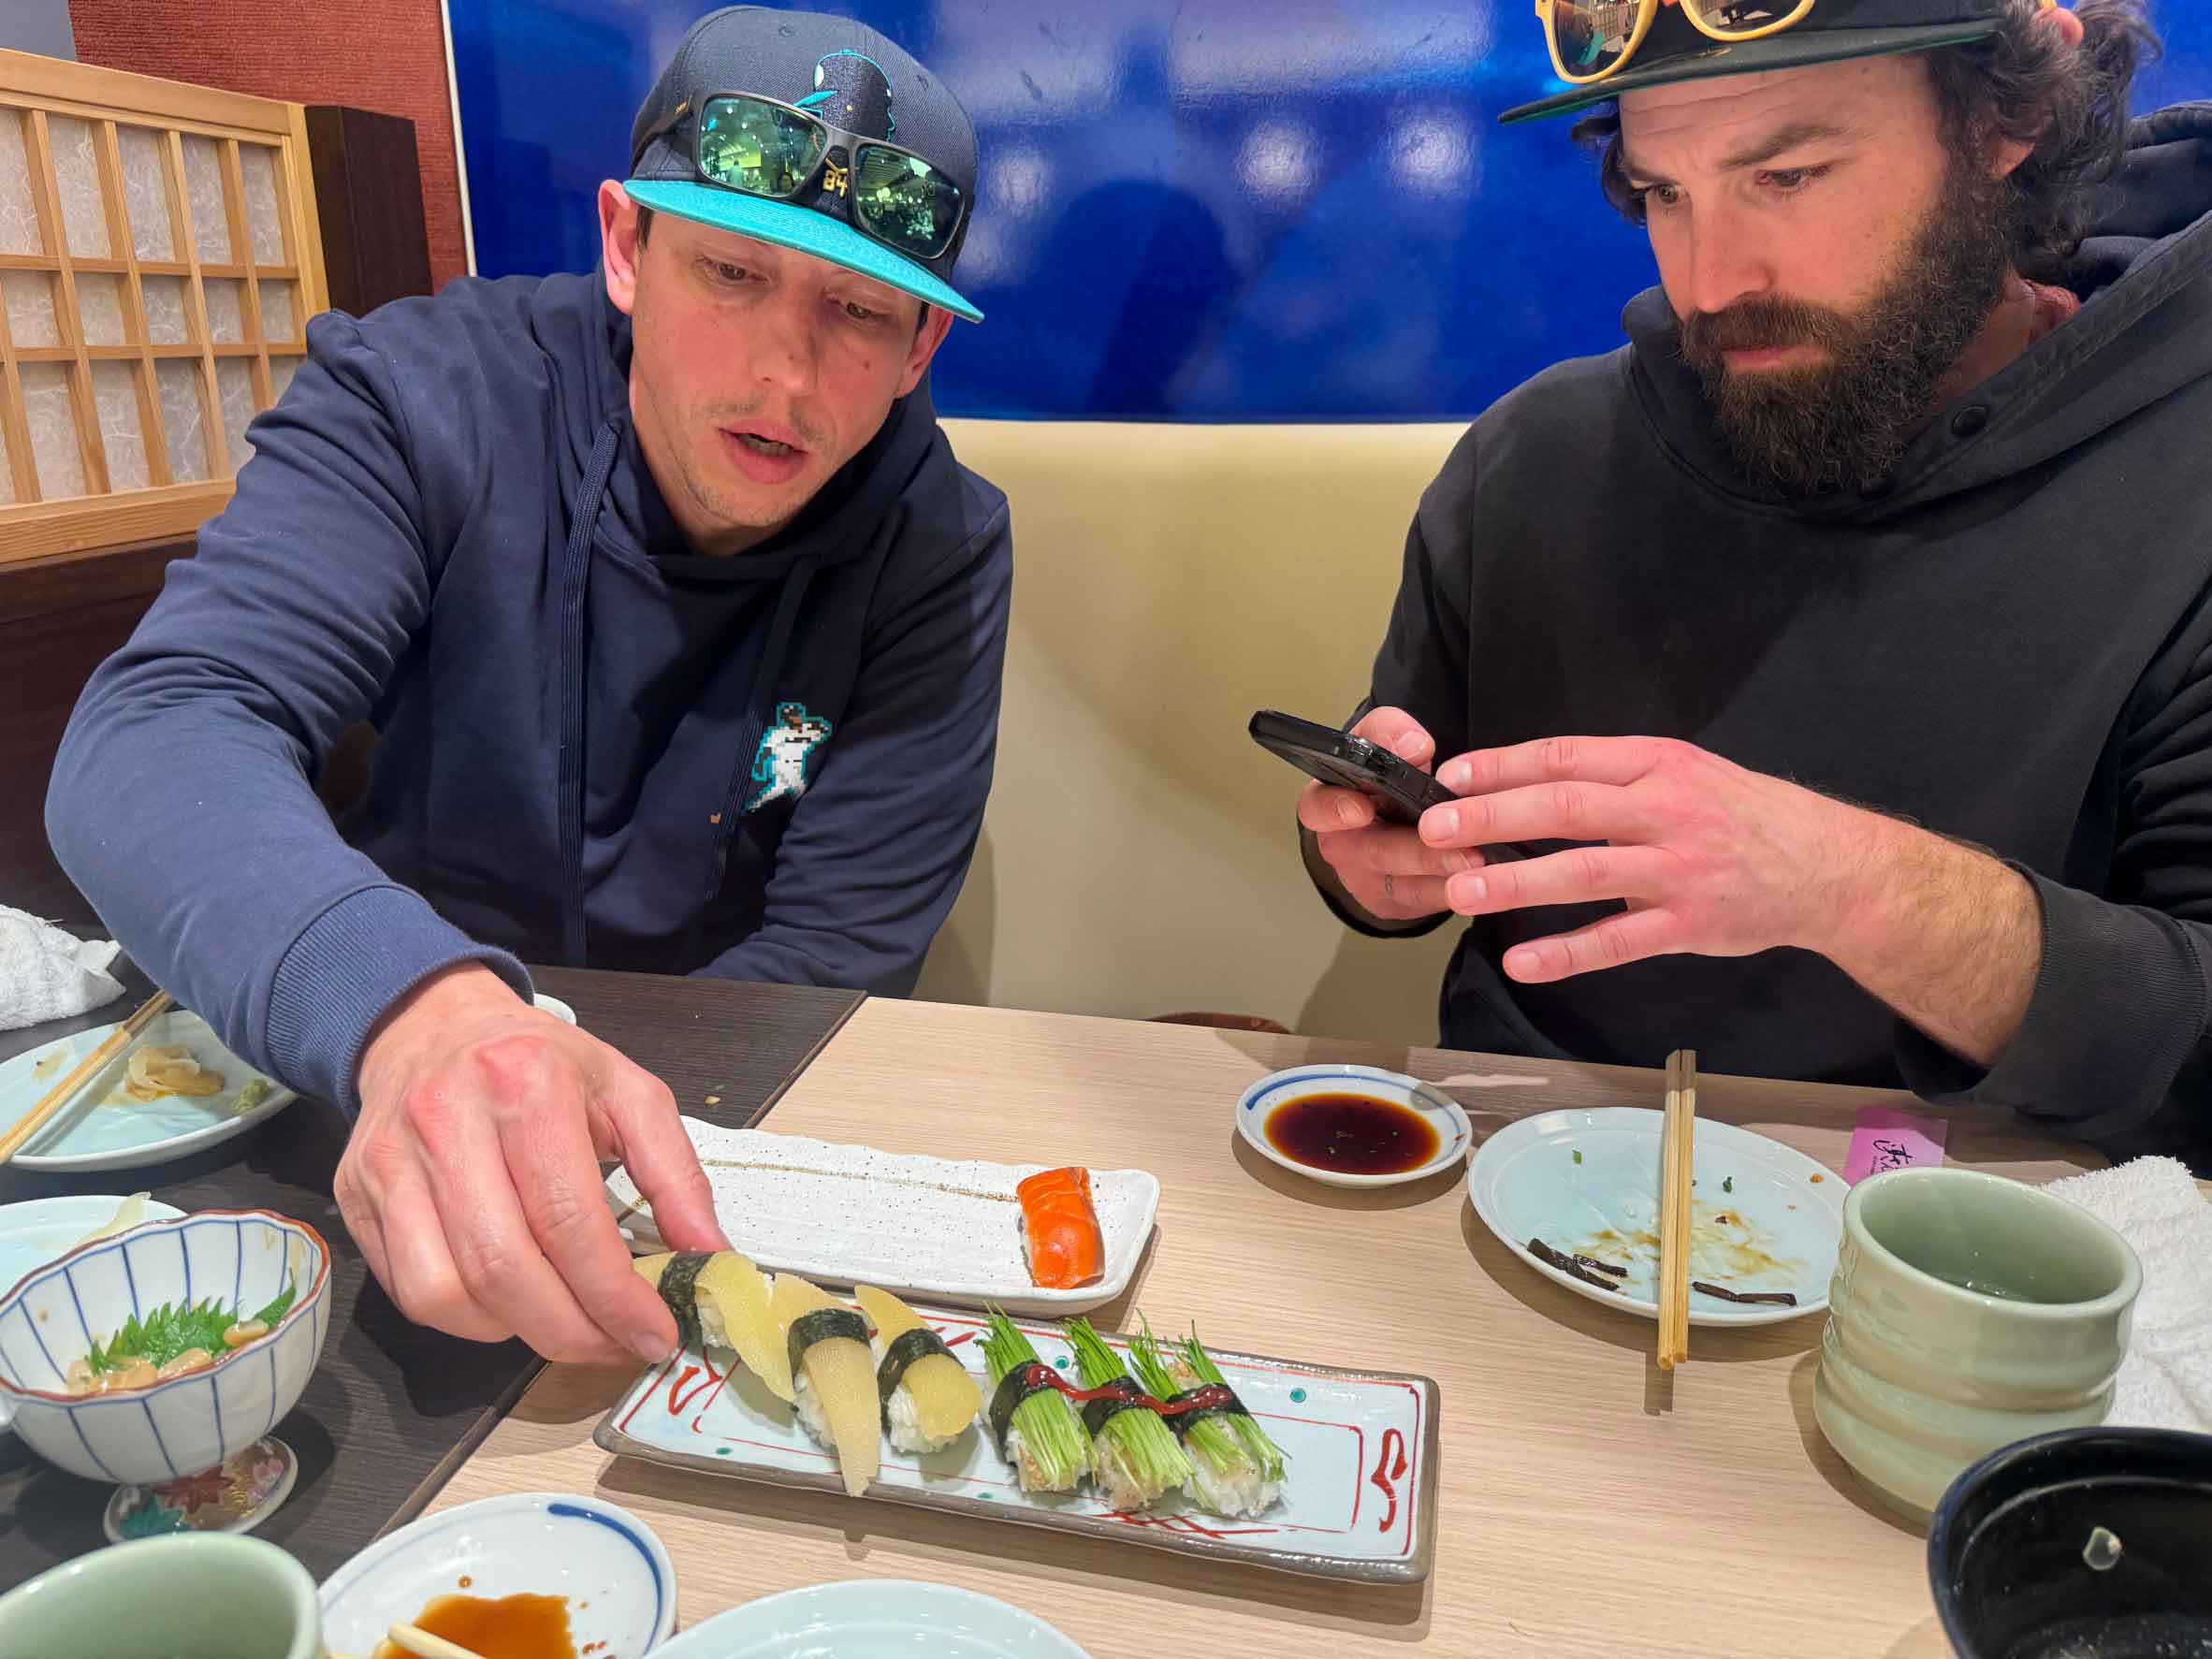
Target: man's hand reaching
x=472 y=1180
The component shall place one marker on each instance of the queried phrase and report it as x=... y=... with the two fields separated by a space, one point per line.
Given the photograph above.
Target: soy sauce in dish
x=1351 y=1134
x=511 y=1627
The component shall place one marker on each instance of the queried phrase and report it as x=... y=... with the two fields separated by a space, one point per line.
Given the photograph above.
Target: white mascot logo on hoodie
x=779 y=765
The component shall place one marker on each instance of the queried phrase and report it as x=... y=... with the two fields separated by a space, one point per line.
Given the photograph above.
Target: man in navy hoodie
x=682 y=629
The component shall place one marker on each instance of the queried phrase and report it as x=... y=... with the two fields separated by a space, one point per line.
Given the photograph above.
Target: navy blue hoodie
x=598 y=747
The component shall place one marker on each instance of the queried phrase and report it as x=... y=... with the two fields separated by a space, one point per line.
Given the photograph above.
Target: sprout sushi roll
x=1037 y=1430
x=1135 y=1457
x=1235 y=1469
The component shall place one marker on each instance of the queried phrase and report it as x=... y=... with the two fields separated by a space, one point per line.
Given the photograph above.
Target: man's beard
x=1844 y=423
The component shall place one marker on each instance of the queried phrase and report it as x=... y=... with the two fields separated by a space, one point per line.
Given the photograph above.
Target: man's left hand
x=1713 y=860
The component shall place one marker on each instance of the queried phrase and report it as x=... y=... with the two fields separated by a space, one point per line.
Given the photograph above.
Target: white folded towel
x=46 y=974
x=2165 y=1382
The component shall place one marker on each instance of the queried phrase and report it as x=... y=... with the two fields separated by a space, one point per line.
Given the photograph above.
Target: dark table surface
x=393 y=1409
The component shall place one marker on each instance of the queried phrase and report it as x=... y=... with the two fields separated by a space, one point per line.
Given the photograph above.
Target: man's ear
x=620 y=248
x=2008 y=153
x=2066 y=21
x=927 y=339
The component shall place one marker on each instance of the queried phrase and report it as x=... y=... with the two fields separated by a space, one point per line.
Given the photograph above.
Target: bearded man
x=1838 y=654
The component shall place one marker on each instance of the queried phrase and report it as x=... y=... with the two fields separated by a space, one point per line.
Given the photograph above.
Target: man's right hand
x=472 y=1179
x=1383 y=867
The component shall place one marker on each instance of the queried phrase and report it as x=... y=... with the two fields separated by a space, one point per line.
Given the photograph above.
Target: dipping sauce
x=512 y=1628
x=1351 y=1134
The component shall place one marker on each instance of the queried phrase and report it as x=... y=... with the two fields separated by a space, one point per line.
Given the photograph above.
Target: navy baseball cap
x=1832 y=29
x=856 y=80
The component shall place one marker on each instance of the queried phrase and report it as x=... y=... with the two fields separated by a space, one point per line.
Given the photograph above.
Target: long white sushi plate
x=1360 y=1502
x=941 y=1229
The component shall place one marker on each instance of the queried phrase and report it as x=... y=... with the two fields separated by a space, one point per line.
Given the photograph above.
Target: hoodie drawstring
x=757 y=717
x=575 y=577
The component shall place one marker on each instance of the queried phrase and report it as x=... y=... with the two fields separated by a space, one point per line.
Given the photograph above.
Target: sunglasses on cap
x=760 y=147
x=1589 y=42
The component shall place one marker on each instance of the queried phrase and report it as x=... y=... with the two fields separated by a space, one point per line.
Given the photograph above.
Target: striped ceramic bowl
x=243 y=1259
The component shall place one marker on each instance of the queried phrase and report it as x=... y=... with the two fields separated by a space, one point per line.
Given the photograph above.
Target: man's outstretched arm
x=181 y=803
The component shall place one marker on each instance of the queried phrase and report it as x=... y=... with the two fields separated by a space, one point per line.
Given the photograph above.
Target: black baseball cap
x=859 y=82
x=1677 y=50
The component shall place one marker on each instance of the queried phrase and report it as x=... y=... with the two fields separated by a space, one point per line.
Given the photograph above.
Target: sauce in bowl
x=512 y=1628
x=1351 y=1134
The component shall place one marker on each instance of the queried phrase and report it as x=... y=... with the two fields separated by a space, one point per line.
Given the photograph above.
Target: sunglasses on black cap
x=1589 y=42
x=762 y=147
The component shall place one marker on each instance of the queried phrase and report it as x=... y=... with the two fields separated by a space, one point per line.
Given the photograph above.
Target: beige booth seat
x=1140 y=855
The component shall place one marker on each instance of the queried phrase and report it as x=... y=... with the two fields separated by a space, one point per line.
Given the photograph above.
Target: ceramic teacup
x=1967 y=1312
x=191 y=1595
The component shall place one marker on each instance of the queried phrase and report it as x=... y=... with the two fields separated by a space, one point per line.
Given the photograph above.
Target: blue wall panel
x=1195 y=209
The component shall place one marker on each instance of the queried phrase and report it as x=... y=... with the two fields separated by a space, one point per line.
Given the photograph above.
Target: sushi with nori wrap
x=1036 y=1428
x=721 y=1300
x=833 y=1376
x=1135 y=1457
x=927 y=1398
x=1230 y=1474
x=675 y=1275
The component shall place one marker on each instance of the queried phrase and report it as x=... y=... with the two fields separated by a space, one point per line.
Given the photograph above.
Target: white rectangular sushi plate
x=1360 y=1502
x=938 y=1228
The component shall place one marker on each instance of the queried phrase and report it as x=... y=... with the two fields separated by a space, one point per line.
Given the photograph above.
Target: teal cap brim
x=803 y=231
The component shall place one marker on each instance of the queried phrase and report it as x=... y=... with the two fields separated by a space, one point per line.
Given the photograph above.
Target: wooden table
x=393 y=1407
x=1589 y=1503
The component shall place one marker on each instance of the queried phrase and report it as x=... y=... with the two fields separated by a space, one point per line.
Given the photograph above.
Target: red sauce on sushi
x=1213 y=1397
x=1353 y=1134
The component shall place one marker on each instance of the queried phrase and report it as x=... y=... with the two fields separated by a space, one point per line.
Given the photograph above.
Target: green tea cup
x=1967 y=1312
x=190 y=1595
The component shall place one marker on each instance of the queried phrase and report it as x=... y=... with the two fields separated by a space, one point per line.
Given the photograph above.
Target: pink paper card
x=1885 y=1138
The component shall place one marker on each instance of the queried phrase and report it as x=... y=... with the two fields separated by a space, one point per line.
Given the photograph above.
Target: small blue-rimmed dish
x=606 y=1564
x=1275 y=1116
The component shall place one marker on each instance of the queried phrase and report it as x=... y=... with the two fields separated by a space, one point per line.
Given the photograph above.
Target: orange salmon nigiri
x=1060 y=1229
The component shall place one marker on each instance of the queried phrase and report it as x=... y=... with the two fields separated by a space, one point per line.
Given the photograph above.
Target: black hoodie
x=2009 y=641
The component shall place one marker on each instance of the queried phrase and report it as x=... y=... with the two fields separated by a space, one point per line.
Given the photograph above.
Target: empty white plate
x=1586 y=1183
x=874 y=1619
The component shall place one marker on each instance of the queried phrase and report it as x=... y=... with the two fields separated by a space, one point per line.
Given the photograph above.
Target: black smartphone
x=1401 y=791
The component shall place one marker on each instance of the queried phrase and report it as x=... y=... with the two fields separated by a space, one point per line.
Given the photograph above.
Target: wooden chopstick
x=422 y=1643
x=88 y=1068
x=1676 y=1156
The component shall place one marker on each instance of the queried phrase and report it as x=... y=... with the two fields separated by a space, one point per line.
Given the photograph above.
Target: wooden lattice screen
x=159 y=259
